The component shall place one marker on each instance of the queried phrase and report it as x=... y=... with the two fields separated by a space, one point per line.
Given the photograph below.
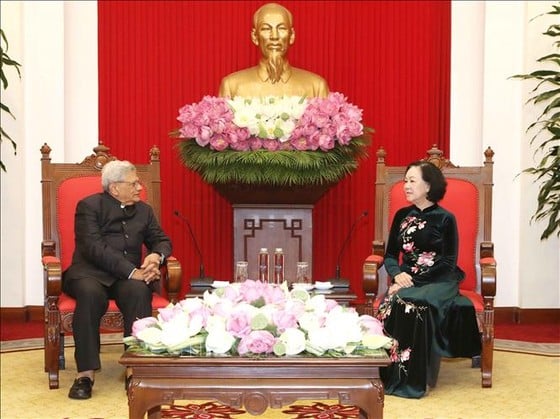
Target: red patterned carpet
x=211 y=410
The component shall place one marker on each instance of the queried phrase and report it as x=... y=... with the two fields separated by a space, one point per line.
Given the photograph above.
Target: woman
x=418 y=309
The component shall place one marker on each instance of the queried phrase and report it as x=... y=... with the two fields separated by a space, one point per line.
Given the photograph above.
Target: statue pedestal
x=272 y=217
x=289 y=227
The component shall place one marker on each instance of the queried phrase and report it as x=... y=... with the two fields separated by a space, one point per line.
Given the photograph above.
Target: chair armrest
x=487 y=270
x=48 y=248
x=172 y=273
x=52 y=276
x=371 y=268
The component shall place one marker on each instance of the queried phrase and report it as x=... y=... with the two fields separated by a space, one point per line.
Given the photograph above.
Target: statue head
x=273 y=33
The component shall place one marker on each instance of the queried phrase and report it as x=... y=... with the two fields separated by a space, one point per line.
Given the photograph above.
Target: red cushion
x=476 y=299
x=69 y=193
x=461 y=199
x=375 y=259
x=67 y=304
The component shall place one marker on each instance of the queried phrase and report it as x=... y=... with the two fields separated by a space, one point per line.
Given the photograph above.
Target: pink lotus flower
x=255 y=318
x=286 y=123
x=257 y=342
x=142 y=324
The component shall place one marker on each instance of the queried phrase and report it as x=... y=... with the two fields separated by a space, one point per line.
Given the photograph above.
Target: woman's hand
x=403 y=280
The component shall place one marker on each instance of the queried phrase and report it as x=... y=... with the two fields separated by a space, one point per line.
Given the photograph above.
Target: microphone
x=202 y=280
x=337 y=281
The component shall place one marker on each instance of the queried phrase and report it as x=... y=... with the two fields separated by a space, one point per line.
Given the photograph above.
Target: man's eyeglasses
x=134 y=184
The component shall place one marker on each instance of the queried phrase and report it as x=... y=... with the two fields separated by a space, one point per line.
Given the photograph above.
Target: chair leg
x=52 y=347
x=487 y=343
x=52 y=341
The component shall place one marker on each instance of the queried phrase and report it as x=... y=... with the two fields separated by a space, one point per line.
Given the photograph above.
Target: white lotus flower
x=317 y=304
x=219 y=341
x=179 y=329
x=376 y=341
x=294 y=341
x=150 y=335
x=309 y=321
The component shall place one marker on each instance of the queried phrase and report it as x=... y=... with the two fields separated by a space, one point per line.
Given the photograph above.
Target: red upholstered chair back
x=462 y=200
x=64 y=184
x=468 y=197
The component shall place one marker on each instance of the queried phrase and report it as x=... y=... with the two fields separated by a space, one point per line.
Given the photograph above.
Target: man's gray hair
x=115 y=171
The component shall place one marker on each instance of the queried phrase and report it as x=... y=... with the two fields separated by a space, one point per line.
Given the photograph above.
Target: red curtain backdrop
x=391 y=58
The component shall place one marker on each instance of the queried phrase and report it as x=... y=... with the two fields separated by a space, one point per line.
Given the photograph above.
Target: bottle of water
x=263 y=264
x=278 y=265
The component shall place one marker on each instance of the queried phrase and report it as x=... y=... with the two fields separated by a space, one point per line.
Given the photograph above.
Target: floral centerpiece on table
x=257 y=319
x=272 y=140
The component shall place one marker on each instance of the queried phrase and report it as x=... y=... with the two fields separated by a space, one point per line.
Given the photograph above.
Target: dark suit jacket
x=109 y=238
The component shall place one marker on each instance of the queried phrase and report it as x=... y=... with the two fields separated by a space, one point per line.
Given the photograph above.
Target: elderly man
x=111 y=229
x=273 y=33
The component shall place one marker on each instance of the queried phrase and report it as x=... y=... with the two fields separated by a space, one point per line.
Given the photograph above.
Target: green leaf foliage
x=6 y=62
x=547 y=127
x=278 y=168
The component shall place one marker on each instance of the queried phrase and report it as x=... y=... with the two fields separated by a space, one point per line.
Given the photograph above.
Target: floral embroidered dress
x=430 y=318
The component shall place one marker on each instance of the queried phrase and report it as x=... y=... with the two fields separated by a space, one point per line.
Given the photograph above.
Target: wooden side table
x=253 y=383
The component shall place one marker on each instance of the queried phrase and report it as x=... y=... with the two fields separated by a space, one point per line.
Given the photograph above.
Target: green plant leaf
x=281 y=168
x=547 y=171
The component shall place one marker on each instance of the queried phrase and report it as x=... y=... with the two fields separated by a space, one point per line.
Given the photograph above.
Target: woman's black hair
x=432 y=175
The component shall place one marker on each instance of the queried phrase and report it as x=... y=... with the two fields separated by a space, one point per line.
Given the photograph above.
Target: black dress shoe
x=81 y=389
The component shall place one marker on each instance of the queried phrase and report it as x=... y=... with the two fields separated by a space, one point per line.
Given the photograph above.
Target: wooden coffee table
x=253 y=383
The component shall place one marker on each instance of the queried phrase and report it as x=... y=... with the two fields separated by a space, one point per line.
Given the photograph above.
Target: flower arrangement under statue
x=260 y=319
x=280 y=141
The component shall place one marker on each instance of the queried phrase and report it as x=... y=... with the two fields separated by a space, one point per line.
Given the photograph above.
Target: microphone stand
x=202 y=280
x=337 y=281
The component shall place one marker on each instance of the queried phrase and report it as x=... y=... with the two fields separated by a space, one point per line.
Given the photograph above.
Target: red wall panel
x=391 y=58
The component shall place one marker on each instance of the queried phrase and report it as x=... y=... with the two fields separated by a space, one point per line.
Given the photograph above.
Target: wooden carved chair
x=63 y=185
x=469 y=197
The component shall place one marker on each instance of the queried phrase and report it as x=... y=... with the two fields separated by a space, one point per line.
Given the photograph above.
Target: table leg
x=370 y=399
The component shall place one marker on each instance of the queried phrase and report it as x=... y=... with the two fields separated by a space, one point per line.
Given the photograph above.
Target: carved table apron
x=253 y=383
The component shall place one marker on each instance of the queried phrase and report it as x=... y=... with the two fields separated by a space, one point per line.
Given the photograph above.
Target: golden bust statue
x=273 y=33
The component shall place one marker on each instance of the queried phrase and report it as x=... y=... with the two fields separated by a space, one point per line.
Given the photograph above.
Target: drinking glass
x=241 y=271
x=302 y=273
